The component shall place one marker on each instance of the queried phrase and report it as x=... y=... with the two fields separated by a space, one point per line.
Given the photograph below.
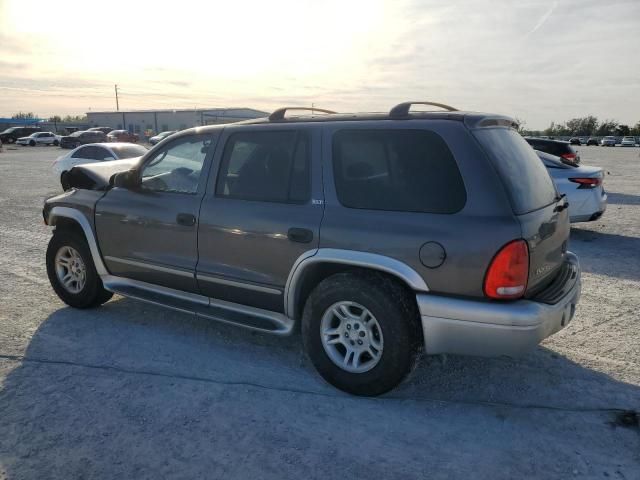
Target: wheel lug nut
x=361 y=334
x=346 y=334
x=359 y=342
x=356 y=326
x=348 y=327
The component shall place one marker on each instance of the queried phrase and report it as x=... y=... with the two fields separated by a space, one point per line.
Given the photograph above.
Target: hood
x=96 y=176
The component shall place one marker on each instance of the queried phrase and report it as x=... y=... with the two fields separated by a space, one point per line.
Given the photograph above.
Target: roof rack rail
x=279 y=113
x=402 y=109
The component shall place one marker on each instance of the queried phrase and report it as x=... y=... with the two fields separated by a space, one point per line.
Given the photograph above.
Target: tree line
x=588 y=126
x=54 y=119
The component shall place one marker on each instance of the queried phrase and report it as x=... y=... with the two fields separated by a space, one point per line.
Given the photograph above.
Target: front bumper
x=472 y=327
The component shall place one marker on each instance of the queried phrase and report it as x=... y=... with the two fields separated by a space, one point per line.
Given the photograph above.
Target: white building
x=141 y=121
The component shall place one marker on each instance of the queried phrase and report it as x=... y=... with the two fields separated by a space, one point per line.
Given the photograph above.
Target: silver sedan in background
x=581 y=184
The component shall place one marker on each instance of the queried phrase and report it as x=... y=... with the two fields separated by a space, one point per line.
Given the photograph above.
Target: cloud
x=543 y=19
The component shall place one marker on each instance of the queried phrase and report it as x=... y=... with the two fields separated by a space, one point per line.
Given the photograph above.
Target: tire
x=395 y=318
x=56 y=143
x=64 y=181
x=91 y=293
x=11 y=140
x=32 y=143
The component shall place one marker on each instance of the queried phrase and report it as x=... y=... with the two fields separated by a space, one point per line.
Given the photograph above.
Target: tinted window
x=400 y=170
x=81 y=153
x=100 y=153
x=266 y=166
x=129 y=151
x=177 y=167
x=524 y=175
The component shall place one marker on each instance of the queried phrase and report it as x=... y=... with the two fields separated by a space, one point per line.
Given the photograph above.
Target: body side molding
x=347 y=257
x=76 y=215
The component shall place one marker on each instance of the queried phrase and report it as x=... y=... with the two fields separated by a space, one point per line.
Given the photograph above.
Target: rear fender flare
x=368 y=260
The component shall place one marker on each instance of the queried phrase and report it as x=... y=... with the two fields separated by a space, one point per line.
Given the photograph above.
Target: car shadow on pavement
x=97 y=391
x=623 y=198
x=606 y=253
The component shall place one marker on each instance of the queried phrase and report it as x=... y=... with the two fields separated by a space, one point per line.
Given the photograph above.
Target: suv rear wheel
x=72 y=273
x=361 y=332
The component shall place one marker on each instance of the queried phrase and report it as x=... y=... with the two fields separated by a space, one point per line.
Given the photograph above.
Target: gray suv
x=382 y=235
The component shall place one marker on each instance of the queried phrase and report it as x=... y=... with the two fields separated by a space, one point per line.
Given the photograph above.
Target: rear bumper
x=591 y=209
x=471 y=327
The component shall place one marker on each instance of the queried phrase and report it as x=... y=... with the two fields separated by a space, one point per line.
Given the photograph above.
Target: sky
x=537 y=60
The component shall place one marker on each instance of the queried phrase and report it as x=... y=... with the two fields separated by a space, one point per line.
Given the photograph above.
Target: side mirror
x=128 y=180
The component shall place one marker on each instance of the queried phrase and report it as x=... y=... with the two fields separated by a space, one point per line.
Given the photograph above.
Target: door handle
x=186 y=219
x=300 y=235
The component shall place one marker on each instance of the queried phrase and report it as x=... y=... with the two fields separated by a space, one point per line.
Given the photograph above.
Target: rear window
x=396 y=170
x=527 y=180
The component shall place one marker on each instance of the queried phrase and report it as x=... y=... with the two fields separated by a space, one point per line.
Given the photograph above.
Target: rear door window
x=268 y=166
x=524 y=175
x=396 y=170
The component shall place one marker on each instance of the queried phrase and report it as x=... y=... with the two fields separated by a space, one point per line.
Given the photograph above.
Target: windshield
x=10 y=130
x=527 y=180
x=129 y=151
x=76 y=134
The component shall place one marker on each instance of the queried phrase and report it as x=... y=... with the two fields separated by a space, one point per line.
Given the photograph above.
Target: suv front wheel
x=361 y=332
x=72 y=273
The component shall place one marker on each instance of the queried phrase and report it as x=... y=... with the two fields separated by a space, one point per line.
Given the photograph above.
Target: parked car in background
x=104 y=130
x=608 y=141
x=39 y=138
x=364 y=244
x=161 y=136
x=12 y=134
x=555 y=147
x=122 y=136
x=82 y=138
x=592 y=141
x=628 y=142
x=92 y=153
x=575 y=141
x=581 y=184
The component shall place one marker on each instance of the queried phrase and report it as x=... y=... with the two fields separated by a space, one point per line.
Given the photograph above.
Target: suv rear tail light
x=508 y=273
x=587 y=182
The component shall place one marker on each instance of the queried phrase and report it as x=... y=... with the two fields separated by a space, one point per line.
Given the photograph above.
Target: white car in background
x=92 y=153
x=608 y=141
x=581 y=184
x=628 y=142
x=40 y=138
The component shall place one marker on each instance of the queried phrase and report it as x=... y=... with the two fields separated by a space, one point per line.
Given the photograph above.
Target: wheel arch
x=70 y=218
x=314 y=266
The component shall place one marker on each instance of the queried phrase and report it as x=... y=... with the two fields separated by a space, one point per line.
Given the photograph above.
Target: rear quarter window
x=525 y=177
x=396 y=170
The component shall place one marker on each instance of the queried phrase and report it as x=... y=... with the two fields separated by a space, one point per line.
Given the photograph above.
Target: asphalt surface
x=134 y=391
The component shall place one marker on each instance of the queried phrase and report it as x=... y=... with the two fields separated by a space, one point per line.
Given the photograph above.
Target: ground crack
x=386 y=398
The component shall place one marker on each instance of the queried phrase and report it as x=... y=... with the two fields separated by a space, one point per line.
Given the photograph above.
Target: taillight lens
x=509 y=271
x=587 y=182
x=569 y=156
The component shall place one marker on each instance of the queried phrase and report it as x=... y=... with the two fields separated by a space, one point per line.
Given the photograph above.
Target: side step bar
x=220 y=310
